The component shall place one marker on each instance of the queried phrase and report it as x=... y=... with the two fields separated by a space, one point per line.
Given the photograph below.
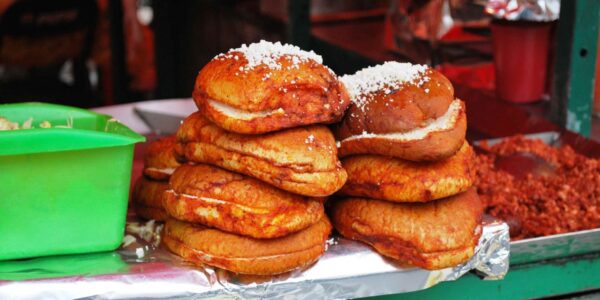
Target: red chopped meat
x=566 y=200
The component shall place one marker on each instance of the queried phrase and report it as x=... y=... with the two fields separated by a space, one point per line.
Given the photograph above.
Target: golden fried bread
x=433 y=235
x=401 y=110
x=159 y=160
x=400 y=104
x=151 y=213
x=266 y=87
x=148 y=198
x=245 y=255
x=439 y=140
x=393 y=179
x=237 y=203
x=300 y=160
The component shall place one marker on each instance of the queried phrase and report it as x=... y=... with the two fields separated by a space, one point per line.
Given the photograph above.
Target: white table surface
x=126 y=115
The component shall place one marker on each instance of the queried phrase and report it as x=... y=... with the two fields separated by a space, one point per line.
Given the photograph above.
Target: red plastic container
x=521 y=52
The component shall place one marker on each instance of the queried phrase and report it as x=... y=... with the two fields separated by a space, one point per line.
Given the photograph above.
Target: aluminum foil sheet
x=141 y=268
x=524 y=10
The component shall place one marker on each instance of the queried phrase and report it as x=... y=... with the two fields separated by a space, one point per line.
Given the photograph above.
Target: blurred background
x=91 y=53
x=99 y=52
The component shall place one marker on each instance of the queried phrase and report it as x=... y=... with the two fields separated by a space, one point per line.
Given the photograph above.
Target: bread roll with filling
x=159 y=159
x=237 y=203
x=245 y=255
x=401 y=110
x=265 y=87
x=397 y=180
x=300 y=160
x=148 y=198
x=433 y=235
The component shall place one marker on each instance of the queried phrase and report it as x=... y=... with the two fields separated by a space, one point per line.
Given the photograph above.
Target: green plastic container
x=92 y=264
x=63 y=190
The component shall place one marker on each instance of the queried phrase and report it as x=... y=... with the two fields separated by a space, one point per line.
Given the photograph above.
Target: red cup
x=521 y=51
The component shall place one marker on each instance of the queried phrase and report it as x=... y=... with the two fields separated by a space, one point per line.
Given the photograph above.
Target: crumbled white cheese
x=386 y=77
x=330 y=242
x=140 y=253
x=146 y=231
x=128 y=240
x=45 y=124
x=5 y=124
x=27 y=124
x=309 y=139
x=268 y=54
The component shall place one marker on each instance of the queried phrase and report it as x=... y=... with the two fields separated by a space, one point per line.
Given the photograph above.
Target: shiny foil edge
x=348 y=270
x=524 y=10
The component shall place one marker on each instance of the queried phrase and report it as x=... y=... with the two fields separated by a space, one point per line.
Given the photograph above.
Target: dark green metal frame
x=542 y=279
x=574 y=69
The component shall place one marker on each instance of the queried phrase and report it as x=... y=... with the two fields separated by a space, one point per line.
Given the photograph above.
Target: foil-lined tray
x=141 y=268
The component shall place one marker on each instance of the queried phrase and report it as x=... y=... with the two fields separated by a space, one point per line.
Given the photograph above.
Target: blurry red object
x=458 y=34
x=521 y=51
x=480 y=76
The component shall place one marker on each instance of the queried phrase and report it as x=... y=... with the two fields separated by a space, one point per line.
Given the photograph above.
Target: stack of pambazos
x=149 y=189
x=410 y=172
x=256 y=167
x=250 y=195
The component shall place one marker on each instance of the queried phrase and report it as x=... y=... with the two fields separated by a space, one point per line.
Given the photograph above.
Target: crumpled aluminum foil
x=143 y=269
x=524 y=10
